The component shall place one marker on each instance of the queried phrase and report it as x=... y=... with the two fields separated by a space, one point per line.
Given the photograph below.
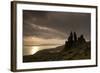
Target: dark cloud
x=46 y=24
x=42 y=32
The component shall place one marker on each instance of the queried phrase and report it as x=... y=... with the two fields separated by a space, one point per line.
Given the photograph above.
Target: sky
x=49 y=27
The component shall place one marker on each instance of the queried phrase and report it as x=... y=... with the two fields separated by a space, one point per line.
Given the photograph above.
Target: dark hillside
x=73 y=49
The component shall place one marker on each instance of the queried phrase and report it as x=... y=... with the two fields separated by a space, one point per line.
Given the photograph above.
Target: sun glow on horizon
x=34 y=49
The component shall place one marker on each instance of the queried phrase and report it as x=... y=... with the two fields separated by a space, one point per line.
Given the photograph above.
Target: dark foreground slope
x=58 y=54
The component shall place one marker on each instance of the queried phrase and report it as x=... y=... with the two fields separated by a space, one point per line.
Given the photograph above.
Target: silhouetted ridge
x=75 y=48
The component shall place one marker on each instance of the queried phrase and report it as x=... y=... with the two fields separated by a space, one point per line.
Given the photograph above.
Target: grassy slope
x=81 y=52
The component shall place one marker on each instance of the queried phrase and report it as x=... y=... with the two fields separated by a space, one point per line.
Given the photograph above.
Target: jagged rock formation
x=74 y=41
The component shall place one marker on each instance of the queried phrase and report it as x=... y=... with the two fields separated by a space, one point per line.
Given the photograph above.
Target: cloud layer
x=55 y=25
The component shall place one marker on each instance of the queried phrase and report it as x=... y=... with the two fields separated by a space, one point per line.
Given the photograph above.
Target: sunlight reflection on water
x=29 y=50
